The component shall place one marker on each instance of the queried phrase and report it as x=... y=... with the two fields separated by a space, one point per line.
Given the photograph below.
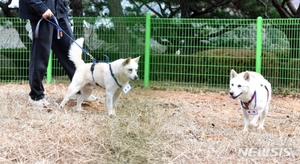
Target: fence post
x=147 y=50
x=259 y=25
x=49 y=68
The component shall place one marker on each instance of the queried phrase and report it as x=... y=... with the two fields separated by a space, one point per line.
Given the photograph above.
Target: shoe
x=91 y=98
x=41 y=102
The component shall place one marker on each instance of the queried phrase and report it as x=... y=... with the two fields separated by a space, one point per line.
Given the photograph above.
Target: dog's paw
x=112 y=114
x=91 y=98
x=80 y=110
x=260 y=128
x=245 y=130
x=58 y=106
x=253 y=124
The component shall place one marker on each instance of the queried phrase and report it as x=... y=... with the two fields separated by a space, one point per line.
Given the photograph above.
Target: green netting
x=183 y=53
x=201 y=52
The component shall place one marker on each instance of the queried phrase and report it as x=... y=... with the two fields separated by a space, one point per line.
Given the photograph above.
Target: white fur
x=243 y=86
x=124 y=71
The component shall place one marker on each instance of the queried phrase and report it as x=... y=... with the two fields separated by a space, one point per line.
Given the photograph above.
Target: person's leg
x=61 y=47
x=39 y=56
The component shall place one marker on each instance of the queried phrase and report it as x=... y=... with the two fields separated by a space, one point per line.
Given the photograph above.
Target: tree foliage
x=178 y=8
x=92 y=8
x=206 y=8
x=6 y=10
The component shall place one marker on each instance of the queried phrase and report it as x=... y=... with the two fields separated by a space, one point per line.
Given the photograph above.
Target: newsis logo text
x=265 y=152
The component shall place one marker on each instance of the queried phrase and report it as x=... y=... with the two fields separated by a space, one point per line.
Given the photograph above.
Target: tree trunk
x=76 y=6
x=121 y=36
x=185 y=9
x=291 y=30
x=115 y=8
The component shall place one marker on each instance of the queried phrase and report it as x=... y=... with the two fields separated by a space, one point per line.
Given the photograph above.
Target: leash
x=60 y=32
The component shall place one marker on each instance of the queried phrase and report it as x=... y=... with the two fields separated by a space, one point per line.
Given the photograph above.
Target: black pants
x=39 y=55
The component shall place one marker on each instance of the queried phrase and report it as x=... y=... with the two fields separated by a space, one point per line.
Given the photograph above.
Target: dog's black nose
x=231 y=93
x=136 y=77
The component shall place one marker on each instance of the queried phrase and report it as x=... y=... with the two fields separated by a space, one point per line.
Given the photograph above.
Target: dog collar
x=112 y=74
x=245 y=105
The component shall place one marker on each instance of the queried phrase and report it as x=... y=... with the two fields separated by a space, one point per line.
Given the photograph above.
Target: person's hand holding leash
x=47 y=14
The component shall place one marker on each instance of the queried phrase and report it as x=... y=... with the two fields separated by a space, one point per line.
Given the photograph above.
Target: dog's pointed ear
x=137 y=59
x=126 y=61
x=247 y=76
x=233 y=74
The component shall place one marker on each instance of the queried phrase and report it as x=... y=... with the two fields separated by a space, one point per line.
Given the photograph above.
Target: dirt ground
x=219 y=105
x=152 y=126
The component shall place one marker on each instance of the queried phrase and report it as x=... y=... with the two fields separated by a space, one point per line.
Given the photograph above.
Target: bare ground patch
x=152 y=126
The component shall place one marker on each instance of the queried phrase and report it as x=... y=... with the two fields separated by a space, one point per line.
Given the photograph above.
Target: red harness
x=245 y=105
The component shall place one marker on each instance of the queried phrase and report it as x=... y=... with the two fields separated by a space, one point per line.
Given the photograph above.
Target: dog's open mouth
x=136 y=78
x=234 y=97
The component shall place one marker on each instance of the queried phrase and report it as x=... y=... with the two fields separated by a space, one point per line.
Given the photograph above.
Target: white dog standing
x=254 y=94
x=114 y=77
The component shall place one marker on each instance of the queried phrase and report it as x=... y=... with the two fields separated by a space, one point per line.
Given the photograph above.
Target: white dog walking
x=254 y=94
x=114 y=77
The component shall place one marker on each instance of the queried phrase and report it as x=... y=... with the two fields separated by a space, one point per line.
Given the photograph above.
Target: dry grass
x=151 y=126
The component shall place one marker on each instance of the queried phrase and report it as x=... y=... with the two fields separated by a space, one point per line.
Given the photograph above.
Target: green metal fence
x=176 y=52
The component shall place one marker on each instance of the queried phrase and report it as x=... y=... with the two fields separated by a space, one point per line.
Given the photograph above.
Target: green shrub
x=217 y=63
x=175 y=68
x=210 y=67
x=213 y=66
x=8 y=71
x=290 y=73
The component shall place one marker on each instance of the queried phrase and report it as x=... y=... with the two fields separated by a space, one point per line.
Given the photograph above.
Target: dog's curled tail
x=76 y=51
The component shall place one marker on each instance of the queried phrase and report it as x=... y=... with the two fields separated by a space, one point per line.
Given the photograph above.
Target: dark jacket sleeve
x=34 y=9
x=38 y=6
x=62 y=9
